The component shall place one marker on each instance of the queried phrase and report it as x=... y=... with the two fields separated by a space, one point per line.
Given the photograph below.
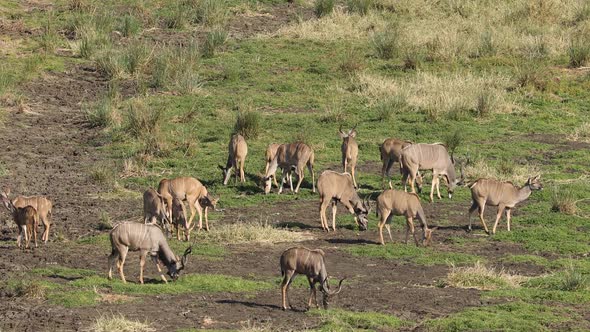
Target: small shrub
x=453 y=140
x=579 y=52
x=563 y=200
x=130 y=26
x=119 y=324
x=359 y=6
x=100 y=115
x=247 y=123
x=323 y=7
x=30 y=289
x=210 y=12
x=109 y=65
x=389 y=107
x=215 y=39
x=385 y=43
x=486 y=103
x=104 y=221
x=143 y=120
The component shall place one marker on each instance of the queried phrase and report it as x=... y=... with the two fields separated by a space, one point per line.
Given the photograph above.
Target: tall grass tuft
x=209 y=12
x=109 y=64
x=486 y=103
x=135 y=57
x=386 y=109
x=579 y=51
x=143 y=120
x=563 y=200
x=129 y=25
x=215 y=39
x=175 y=18
x=386 y=43
x=247 y=122
x=102 y=114
x=481 y=277
x=360 y=6
x=30 y=289
x=256 y=232
x=581 y=133
x=323 y=7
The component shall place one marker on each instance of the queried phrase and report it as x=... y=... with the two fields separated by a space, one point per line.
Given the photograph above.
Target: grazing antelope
x=350 y=151
x=153 y=208
x=299 y=260
x=338 y=187
x=191 y=190
x=399 y=203
x=433 y=157
x=391 y=151
x=238 y=149
x=41 y=204
x=294 y=156
x=147 y=239
x=179 y=219
x=27 y=220
x=504 y=195
x=269 y=155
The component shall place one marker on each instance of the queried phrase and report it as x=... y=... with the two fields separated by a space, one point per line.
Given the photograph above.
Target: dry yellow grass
x=484 y=278
x=118 y=323
x=256 y=232
x=517 y=174
x=581 y=134
x=437 y=94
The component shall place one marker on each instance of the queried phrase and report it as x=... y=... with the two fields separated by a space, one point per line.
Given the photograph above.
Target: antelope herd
x=164 y=209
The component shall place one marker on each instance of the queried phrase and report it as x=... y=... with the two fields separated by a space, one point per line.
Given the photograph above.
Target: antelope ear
x=352 y=133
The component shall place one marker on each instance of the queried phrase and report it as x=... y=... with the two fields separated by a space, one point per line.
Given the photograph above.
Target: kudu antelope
x=336 y=187
x=179 y=218
x=391 y=151
x=42 y=205
x=294 y=156
x=299 y=260
x=147 y=239
x=26 y=219
x=192 y=191
x=433 y=157
x=350 y=152
x=399 y=203
x=269 y=155
x=504 y=195
x=238 y=149
x=154 y=208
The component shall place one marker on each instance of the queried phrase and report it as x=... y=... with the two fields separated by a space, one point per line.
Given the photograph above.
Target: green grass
x=344 y=320
x=517 y=316
x=412 y=254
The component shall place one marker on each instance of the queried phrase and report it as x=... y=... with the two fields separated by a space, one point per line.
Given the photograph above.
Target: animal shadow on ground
x=296 y=224
x=351 y=241
x=254 y=305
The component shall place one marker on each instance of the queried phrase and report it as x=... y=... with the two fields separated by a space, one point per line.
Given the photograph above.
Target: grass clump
x=104 y=221
x=214 y=41
x=411 y=253
x=144 y=123
x=563 y=200
x=129 y=26
x=343 y=320
x=570 y=280
x=387 y=108
x=30 y=289
x=360 y=6
x=119 y=323
x=516 y=316
x=109 y=64
x=579 y=52
x=257 y=232
x=501 y=170
x=73 y=298
x=481 y=277
x=103 y=114
x=210 y=12
x=323 y=7
x=386 y=43
x=248 y=122
x=581 y=133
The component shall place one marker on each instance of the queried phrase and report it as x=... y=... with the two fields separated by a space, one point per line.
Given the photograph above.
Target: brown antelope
x=192 y=191
x=433 y=157
x=391 y=151
x=25 y=218
x=153 y=208
x=299 y=260
x=179 y=219
x=504 y=195
x=238 y=149
x=269 y=155
x=350 y=151
x=147 y=239
x=338 y=187
x=399 y=203
x=41 y=204
x=294 y=156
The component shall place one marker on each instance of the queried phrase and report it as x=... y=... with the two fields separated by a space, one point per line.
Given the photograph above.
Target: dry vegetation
x=256 y=232
x=118 y=323
x=482 y=277
x=503 y=171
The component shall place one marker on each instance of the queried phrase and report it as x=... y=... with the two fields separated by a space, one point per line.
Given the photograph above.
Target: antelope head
x=267 y=180
x=456 y=182
x=350 y=133
x=362 y=210
x=209 y=201
x=327 y=293
x=534 y=183
x=175 y=268
x=427 y=236
x=6 y=201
